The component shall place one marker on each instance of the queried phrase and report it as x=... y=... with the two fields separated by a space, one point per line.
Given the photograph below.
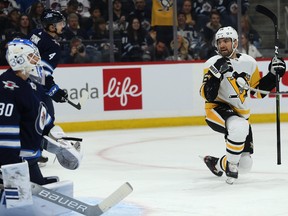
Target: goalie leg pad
x=68 y=155
x=16 y=183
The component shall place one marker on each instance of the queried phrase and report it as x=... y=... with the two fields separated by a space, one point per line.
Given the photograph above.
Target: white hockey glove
x=277 y=65
x=68 y=153
x=220 y=67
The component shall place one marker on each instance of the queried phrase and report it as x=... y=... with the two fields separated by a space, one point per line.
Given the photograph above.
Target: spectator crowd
x=86 y=36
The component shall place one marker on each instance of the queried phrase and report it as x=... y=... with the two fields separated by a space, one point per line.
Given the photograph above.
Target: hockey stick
x=268 y=92
x=81 y=102
x=245 y=86
x=265 y=11
x=78 y=206
x=77 y=106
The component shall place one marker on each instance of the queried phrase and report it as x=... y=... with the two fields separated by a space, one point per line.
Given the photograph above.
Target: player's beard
x=225 y=53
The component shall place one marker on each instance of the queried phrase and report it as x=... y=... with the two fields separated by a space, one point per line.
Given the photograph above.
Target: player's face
x=224 y=46
x=34 y=59
x=60 y=26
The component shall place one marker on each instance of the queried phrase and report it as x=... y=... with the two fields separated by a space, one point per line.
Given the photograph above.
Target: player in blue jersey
x=23 y=115
x=46 y=40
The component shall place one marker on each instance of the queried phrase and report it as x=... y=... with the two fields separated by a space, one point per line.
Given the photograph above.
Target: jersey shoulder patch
x=35 y=39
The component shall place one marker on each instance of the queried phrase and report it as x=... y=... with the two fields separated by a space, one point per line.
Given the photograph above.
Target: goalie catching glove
x=277 y=65
x=68 y=153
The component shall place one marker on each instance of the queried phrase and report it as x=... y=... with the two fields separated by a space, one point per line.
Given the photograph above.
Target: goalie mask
x=227 y=32
x=23 y=55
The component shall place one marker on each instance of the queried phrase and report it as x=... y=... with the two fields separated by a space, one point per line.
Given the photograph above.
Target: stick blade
x=262 y=9
x=84 y=98
x=122 y=192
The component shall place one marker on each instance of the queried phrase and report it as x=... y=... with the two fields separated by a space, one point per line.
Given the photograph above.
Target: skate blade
x=41 y=164
x=230 y=180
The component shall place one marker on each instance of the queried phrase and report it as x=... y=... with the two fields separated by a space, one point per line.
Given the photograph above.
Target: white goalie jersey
x=245 y=70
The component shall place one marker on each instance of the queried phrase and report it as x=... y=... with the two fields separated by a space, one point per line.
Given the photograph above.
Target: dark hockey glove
x=57 y=94
x=220 y=67
x=277 y=65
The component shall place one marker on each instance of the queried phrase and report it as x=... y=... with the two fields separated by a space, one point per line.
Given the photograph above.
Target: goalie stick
x=265 y=11
x=78 y=206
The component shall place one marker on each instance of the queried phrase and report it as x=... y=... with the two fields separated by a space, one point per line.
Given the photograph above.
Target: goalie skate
x=42 y=161
x=211 y=164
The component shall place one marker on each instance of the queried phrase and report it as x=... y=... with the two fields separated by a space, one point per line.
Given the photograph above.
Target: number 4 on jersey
x=51 y=56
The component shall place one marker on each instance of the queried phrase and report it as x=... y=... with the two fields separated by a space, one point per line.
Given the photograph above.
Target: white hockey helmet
x=227 y=32
x=17 y=54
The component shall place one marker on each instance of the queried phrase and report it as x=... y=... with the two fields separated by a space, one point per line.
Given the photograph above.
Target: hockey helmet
x=226 y=32
x=50 y=17
x=21 y=53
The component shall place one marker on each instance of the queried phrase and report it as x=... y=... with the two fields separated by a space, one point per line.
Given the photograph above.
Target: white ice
x=168 y=177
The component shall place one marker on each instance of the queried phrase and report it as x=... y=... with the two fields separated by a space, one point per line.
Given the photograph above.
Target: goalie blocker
x=68 y=153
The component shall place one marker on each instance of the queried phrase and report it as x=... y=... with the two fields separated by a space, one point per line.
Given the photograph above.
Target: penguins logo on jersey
x=241 y=93
x=166 y=5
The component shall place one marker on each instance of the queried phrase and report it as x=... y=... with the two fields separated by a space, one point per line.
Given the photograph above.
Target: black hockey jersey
x=49 y=48
x=22 y=115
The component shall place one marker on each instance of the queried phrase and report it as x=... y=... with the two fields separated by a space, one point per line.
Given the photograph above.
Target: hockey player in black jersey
x=227 y=101
x=46 y=40
x=23 y=115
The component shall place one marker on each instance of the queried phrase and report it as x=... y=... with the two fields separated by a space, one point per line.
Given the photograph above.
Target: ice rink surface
x=168 y=177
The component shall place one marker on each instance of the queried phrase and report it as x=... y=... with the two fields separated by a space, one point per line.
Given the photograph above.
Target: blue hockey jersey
x=22 y=116
x=49 y=48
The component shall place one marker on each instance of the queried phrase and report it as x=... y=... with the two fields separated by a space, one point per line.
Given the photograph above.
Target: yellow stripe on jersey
x=213 y=116
x=244 y=113
x=254 y=81
x=162 y=13
x=202 y=87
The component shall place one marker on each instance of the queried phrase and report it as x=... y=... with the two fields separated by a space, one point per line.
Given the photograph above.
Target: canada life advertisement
x=123 y=91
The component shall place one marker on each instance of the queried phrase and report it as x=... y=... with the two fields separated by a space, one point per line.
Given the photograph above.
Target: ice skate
x=211 y=164
x=231 y=172
x=42 y=161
